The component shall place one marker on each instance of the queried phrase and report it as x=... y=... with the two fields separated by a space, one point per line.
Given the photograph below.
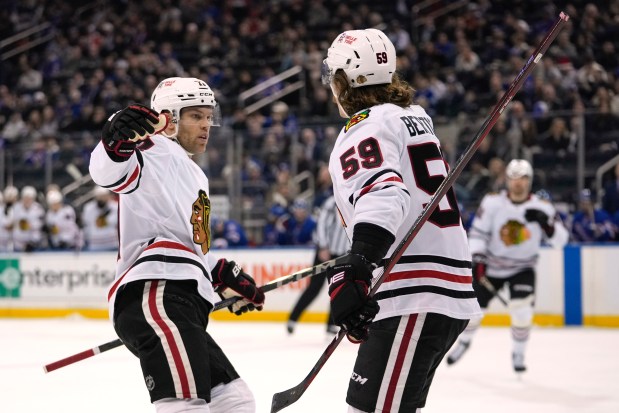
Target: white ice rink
x=570 y=370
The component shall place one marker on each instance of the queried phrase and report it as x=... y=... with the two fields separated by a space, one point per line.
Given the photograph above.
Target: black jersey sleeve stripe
x=374 y=178
x=172 y=259
x=377 y=175
x=434 y=259
x=380 y=189
x=464 y=295
x=117 y=183
x=141 y=162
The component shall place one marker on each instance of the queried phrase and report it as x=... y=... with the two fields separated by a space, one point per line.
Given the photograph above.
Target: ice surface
x=570 y=370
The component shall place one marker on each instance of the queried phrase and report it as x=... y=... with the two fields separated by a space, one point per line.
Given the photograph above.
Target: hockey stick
x=272 y=285
x=485 y=282
x=286 y=398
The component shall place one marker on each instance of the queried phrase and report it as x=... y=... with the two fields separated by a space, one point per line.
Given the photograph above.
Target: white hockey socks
x=521 y=311
x=171 y=405
x=232 y=397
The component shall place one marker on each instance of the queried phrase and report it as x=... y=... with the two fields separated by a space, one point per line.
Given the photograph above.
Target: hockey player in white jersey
x=60 y=223
x=505 y=239
x=386 y=165
x=166 y=275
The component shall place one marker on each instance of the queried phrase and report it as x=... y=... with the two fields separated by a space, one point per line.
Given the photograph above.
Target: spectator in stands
x=100 y=221
x=227 y=233
x=274 y=224
x=15 y=128
x=299 y=227
x=28 y=216
x=60 y=223
x=324 y=186
x=591 y=224
x=558 y=140
x=610 y=199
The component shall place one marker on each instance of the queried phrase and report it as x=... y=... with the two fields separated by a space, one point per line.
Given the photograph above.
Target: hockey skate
x=457 y=352
x=518 y=362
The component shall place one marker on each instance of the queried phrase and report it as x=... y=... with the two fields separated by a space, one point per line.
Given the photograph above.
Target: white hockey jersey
x=164 y=213
x=510 y=243
x=100 y=225
x=6 y=228
x=27 y=225
x=386 y=165
x=62 y=227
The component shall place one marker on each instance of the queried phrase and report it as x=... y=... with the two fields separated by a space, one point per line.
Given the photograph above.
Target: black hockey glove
x=124 y=130
x=479 y=266
x=351 y=308
x=540 y=217
x=230 y=280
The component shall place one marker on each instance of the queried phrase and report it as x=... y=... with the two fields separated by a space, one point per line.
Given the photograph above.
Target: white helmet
x=53 y=197
x=517 y=168
x=366 y=56
x=28 y=192
x=175 y=93
x=11 y=193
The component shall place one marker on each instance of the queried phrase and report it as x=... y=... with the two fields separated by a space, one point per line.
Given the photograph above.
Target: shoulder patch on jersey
x=358 y=117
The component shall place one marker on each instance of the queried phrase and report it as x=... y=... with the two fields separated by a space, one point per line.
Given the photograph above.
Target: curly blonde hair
x=398 y=92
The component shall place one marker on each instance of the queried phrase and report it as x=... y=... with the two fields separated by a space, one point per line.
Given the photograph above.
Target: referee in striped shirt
x=331 y=241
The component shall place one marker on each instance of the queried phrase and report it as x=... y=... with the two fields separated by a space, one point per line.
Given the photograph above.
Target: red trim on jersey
x=116 y=284
x=132 y=178
x=178 y=361
x=169 y=244
x=369 y=187
x=158 y=244
x=407 y=275
x=399 y=362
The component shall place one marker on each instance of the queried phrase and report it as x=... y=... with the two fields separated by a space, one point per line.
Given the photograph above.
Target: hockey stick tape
x=161 y=124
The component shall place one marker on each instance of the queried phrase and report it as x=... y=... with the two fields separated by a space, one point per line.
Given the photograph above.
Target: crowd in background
x=32 y=221
x=55 y=97
x=27 y=225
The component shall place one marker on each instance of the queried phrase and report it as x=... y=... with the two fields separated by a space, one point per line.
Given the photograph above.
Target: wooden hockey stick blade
x=270 y=286
x=451 y=177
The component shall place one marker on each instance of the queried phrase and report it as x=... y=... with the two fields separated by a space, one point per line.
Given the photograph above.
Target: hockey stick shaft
x=286 y=398
x=270 y=286
x=485 y=282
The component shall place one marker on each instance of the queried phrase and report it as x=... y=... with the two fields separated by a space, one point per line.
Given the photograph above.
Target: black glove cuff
x=371 y=241
x=549 y=230
x=121 y=152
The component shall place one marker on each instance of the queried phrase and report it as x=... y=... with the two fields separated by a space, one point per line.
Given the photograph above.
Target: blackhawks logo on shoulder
x=356 y=118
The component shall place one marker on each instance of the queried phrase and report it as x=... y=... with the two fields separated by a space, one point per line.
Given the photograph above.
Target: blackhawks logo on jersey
x=200 y=220
x=514 y=233
x=356 y=119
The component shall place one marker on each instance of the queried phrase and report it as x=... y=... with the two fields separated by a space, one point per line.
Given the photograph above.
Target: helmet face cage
x=518 y=168
x=176 y=93
x=366 y=56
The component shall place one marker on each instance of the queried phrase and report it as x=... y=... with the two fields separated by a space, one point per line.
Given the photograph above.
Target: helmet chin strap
x=337 y=100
